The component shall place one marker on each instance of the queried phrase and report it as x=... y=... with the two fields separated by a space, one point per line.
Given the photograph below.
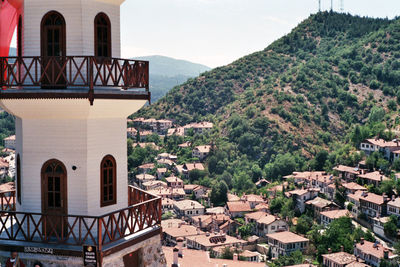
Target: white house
x=9 y=142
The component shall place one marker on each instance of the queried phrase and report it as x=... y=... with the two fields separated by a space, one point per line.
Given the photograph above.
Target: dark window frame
x=53 y=20
x=102 y=30
x=106 y=170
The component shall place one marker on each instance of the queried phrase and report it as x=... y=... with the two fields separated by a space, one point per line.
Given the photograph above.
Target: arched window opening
x=53 y=35
x=108 y=169
x=18 y=180
x=54 y=186
x=102 y=36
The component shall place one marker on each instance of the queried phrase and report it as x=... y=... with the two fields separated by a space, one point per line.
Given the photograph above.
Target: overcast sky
x=216 y=32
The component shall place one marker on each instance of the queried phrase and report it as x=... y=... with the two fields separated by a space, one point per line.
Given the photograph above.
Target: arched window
x=53 y=35
x=19 y=37
x=18 y=167
x=102 y=36
x=108 y=169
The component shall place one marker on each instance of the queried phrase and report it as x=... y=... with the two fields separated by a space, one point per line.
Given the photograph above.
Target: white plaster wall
x=79 y=17
x=64 y=140
x=106 y=137
x=77 y=134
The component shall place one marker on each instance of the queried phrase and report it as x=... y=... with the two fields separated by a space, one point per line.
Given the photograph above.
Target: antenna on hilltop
x=319 y=2
x=331 y=5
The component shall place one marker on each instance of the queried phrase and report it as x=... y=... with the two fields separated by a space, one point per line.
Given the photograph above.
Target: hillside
x=303 y=93
x=166 y=72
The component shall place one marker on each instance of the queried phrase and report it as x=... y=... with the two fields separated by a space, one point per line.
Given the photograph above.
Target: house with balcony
x=9 y=142
x=269 y=224
x=237 y=208
x=201 y=152
x=373 y=205
x=284 y=243
x=373 y=253
x=198 y=128
x=338 y=259
x=174 y=182
x=301 y=196
x=347 y=173
x=318 y=205
x=71 y=93
x=188 y=208
x=372 y=178
x=326 y=217
x=393 y=206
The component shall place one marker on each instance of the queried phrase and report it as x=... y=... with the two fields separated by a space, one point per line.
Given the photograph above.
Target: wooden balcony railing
x=83 y=230
x=7 y=201
x=73 y=71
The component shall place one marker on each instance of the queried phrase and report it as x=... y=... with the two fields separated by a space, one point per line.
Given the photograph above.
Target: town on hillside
x=286 y=157
x=343 y=217
x=307 y=217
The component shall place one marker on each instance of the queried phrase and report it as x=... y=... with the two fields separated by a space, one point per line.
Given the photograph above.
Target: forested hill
x=303 y=92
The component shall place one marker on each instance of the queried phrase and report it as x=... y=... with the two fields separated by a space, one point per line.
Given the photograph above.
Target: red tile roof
x=287 y=237
x=372 y=249
x=238 y=206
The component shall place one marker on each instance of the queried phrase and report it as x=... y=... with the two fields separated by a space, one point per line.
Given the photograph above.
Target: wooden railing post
x=91 y=86
x=2 y=73
x=99 y=233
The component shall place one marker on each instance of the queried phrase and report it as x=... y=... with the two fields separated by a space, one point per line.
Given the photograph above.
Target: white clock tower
x=71 y=94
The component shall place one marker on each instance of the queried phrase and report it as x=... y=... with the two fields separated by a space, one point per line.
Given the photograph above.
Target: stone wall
x=151 y=252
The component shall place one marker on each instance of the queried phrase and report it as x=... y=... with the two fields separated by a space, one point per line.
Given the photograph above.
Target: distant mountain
x=170 y=67
x=166 y=73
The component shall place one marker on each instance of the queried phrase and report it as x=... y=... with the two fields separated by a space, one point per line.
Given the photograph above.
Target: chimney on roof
x=385 y=198
x=342 y=248
x=180 y=244
x=175 y=259
x=329 y=250
x=235 y=257
x=393 y=198
x=362 y=241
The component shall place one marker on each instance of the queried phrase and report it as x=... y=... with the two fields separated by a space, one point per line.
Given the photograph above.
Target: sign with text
x=89 y=256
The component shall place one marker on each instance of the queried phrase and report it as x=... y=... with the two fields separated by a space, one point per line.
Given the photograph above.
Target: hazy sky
x=216 y=32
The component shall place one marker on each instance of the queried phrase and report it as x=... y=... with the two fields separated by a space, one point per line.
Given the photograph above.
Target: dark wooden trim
x=134 y=241
x=72 y=95
x=114 y=182
x=64 y=186
x=18 y=174
x=109 y=39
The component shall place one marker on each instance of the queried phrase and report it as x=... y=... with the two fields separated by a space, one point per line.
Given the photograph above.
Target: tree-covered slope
x=307 y=89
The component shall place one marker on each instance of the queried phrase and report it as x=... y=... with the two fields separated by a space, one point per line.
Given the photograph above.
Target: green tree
x=390 y=227
x=219 y=193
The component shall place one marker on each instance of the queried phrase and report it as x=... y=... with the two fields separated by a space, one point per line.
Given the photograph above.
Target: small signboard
x=89 y=256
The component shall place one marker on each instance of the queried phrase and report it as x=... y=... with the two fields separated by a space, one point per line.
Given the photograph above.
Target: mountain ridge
x=310 y=87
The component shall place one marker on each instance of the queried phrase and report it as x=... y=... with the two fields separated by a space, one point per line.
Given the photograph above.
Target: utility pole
x=319 y=1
